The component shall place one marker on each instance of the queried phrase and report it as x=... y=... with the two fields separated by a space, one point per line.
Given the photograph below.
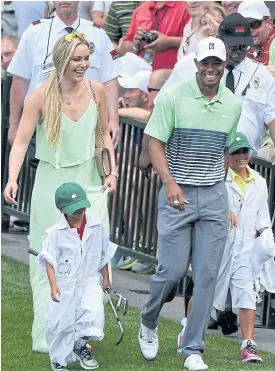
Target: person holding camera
x=155 y=33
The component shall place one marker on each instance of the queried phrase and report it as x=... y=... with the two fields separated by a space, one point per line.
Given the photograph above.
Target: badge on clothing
x=256 y=82
x=64 y=268
x=114 y=54
x=91 y=48
x=34 y=23
x=47 y=68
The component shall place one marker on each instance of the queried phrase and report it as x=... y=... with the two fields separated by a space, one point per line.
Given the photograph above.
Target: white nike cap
x=140 y=80
x=211 y=47
x=254 y=9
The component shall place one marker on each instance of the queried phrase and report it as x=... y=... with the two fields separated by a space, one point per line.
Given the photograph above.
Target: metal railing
x=133 y=208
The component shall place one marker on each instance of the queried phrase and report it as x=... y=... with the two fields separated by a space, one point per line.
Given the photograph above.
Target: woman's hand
x=110 y=181
x=10 y=192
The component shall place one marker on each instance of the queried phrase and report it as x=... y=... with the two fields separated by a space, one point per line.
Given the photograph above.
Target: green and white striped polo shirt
x=195 y=131
x=119 y=19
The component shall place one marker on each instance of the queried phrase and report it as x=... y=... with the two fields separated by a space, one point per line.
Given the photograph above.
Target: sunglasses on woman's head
x=72 y=36
x=241 y=151
x=254 y=25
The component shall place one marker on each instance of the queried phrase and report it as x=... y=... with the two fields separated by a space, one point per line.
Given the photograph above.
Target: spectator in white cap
x=192 y=204
x=261 y=26
x=136 y=86
x=130 y=64
x=134 y=104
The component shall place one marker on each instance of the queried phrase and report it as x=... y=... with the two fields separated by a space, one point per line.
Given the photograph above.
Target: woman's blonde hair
x=213 y=10
x=62 y=54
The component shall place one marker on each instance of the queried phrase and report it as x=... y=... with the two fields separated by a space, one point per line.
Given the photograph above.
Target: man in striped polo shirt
x=189 y=129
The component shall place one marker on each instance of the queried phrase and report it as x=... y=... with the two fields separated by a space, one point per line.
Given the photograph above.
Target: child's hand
x=54 y=292
x=232 y=220
x=107 y=285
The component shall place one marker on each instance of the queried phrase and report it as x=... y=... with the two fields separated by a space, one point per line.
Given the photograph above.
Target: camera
x=149 y=37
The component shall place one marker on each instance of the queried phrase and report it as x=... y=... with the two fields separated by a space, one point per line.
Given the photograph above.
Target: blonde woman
x=210 y=20
x=64 y=115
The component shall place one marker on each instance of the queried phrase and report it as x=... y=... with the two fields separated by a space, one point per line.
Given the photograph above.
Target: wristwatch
x=114 y=174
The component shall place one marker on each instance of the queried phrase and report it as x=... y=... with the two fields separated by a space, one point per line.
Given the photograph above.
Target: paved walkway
x=15 y=246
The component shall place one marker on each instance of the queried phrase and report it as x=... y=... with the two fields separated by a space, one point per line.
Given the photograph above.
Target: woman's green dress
x=72 y=161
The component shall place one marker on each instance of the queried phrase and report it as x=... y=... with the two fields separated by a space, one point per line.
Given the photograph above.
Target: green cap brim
x=72 y=208
x=237 y=146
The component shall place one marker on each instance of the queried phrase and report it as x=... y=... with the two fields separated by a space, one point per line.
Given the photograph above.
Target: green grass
x=221 y=354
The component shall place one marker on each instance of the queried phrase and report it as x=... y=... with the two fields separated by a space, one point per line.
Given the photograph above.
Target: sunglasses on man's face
x=239 y=47
x=241 y=151
x=254 y=25
x=152 y=89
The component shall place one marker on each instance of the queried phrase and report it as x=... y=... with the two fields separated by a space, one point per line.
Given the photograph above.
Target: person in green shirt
x=189 y=129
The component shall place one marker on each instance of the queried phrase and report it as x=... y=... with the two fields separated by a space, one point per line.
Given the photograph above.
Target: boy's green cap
x=239 y=141
x=71 y=197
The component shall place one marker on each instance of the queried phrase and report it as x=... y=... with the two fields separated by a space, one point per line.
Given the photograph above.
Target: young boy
x=248 y=201
x=75 y=255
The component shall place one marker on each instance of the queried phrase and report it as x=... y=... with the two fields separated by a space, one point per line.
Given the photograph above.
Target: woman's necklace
x=69 y=101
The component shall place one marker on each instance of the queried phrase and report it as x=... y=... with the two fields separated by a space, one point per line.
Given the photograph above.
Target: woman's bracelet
x=114 y=174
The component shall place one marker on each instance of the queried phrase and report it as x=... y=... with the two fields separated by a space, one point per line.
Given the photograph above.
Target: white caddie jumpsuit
x=77 y=264
x=236 y=272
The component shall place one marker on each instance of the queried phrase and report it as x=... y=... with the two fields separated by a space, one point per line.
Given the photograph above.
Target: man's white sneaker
x=148 y=342
x=195 y=362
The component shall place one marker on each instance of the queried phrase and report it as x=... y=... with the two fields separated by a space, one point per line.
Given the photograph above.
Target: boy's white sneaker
x=195 y=362
x=148 y=342
x=85 y=358
x=58 y=367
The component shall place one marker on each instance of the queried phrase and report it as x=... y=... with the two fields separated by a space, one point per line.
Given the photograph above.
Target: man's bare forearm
x=111 y=88
x=18 y=94
x=159 y=160
x=136 y=113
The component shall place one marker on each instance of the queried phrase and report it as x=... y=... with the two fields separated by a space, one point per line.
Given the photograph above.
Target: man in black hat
x=249 y=81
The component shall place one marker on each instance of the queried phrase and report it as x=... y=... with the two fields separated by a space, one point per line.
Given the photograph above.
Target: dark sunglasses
x=241 y=151
x=152 y=89
x=254 y=25
x=239 y=47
